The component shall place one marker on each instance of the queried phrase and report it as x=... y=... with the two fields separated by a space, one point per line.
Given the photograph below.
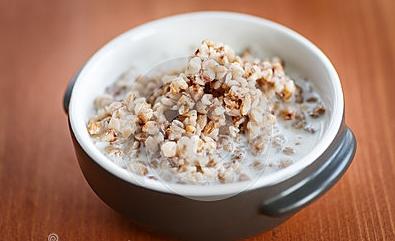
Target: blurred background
x=44 y=42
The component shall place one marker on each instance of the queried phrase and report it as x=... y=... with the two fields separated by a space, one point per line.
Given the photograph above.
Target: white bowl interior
x=172 y=37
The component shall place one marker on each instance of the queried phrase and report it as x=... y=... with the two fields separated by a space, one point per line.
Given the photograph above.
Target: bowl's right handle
x=325 y=177
x=67 y=93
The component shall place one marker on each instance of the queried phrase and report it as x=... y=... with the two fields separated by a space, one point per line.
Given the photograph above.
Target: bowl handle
x=67 y=93
x=306 y=191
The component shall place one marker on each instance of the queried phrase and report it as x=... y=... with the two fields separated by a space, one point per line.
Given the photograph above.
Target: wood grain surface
x=43 y=42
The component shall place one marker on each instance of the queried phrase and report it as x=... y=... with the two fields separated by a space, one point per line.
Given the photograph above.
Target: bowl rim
x=219 y=189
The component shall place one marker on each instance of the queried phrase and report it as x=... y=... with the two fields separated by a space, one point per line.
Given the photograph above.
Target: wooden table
x=43 y=42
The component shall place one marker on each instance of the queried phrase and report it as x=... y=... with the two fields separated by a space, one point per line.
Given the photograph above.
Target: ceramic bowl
x=183 y=213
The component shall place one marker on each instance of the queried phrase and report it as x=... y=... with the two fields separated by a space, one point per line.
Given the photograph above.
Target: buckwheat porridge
x=222 y=118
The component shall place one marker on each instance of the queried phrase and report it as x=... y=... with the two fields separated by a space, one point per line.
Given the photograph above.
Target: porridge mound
x=211 y=122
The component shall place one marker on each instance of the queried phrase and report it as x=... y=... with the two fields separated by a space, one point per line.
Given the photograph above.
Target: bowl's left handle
x=67 y=93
